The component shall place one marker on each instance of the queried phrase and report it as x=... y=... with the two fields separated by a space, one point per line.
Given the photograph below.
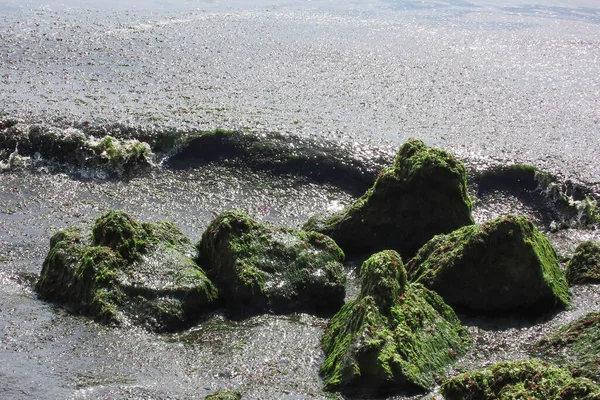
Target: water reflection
x=582 y=10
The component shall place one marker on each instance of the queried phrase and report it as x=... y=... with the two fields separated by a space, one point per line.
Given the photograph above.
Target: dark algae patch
x=584 y=266
x=423 y=194
x=257 y=267
x=516 y=380
x=127 y=271
x=394 y=337
x=505 y=264
x=575 y=346
x=319 y=161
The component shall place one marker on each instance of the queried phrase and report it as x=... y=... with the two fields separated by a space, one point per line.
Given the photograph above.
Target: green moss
x=224 y=395
x=391 y=337
x=66 y=247
x=256 y=266
x=575 y=346
x=423 y=194
x=503 y=264
x=530 y=379
x=130 y=239
x=127 y=269
x=584 y=267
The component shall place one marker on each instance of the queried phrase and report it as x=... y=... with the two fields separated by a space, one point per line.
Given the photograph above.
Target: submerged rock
x=502 y=265
x=575 y=346
x=423 y=194
x=127 y=270
x=584 y=267
x=394 y=336
x=530 y=379
x=257 y=267
x=72 y=146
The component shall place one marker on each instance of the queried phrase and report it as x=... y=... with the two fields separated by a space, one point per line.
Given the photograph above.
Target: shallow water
x=510 y=83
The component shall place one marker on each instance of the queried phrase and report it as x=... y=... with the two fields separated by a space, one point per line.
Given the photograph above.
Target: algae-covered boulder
x=422 y=195
x=584 y=267
x=393 y=336
x=127 y=270
x=224 y=395
x=502 y=265
x=529 y=379
x=575 y=346
x=257 y=267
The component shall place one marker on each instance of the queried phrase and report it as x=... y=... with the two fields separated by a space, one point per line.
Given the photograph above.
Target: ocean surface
x=496 y=83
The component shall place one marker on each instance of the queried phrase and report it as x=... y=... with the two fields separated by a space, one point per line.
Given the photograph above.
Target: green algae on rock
x=575 y=346
x=505 y=264
x=584 y=267
x=529 y=379
x=393 y=336
x=423 y=194
x=72 y=146
x=224 y=395
x=257 y=267
x=127 y=270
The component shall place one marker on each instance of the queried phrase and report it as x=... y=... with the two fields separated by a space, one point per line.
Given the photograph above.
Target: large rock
x=257 y=267
x=422 y=195
x=575 y=346
x=529 y=379
x=502 y=265
x=584 y=267
x=392 y=336
x=127 y=271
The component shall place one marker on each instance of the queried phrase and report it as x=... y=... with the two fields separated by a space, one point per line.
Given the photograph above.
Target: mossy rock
x=575 y=346
x=502 y=265
x=422 y=195
x=529 y=379
x=115 y=156
x=257 y=267
x=127 y=271
x=584 y=267
x=224 y=395
x=393 y=336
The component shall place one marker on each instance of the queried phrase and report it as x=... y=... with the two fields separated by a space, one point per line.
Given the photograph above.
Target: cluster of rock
x=148 y=274
x=399 y=334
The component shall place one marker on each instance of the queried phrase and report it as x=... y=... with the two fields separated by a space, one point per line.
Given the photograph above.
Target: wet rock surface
x=575 y=346
x=505 y=264
x=72 y=149
x=127 y=272
x=393 y=336
x=261 y=268
x=224 y=395
x=584 y=266
x=423 y=194
x=520 y=380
